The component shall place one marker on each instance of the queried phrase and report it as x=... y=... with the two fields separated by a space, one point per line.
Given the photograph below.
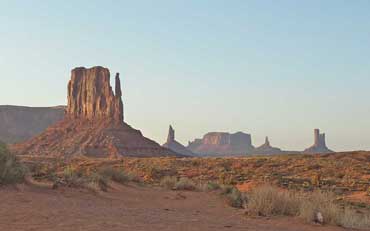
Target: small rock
x=319 y=218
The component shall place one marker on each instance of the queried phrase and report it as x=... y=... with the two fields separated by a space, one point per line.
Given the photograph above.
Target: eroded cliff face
x=90 y=95
x=93 y=125
x=222 y=144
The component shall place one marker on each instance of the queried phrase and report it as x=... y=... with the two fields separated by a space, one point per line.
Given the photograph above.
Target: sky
x=276 y=68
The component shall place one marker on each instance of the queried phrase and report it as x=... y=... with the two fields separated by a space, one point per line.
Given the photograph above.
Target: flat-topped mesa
x=222 y=144
x=90 y=95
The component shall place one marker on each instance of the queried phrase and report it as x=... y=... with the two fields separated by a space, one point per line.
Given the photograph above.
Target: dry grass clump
x=77 y=179
x=270 y=201
x=117 y=175
x=98 y=181
x=185 y=184
x=354 y=220
x=173 y=183
x=168 y=182
x=11 y=170
x=321 y=202
x=321 y=207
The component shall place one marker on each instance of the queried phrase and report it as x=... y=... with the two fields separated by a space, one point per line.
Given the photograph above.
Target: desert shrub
x=117 y=175
x=98 y=181
x=168 y=182
x=210 y=186
x=233 y=196
x=73 y=178
x=268 y=201
x=354 y=220
x=185 y=184
x=321 y=202
x=11 y=170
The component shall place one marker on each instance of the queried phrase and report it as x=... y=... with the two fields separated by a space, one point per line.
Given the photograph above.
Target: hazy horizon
x=261 y=67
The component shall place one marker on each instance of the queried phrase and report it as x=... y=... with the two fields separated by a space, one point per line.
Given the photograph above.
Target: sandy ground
x=129 y=208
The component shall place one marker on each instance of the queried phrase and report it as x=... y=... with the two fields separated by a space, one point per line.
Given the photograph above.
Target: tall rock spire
x=171 y=135
x=119 y=105
x=118 y=90
x=267 y=142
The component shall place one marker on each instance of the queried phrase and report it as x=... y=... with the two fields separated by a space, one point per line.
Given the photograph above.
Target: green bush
x=11 y=170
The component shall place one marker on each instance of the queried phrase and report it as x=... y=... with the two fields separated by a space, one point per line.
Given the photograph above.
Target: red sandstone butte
x=93 y=125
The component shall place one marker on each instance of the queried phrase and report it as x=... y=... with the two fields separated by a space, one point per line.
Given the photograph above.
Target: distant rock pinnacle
x=267 y=149
x=175 y=146
x=171 y=135
x=319 y=145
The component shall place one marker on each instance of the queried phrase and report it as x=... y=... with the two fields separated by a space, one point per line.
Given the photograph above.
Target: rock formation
x=18 y=123
x=319 y=145
x=175 y=146
x=222 y=144
x=90 y=95
x=93 y=125
x=267 y=149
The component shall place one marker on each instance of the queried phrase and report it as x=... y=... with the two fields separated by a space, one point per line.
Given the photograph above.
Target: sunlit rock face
x=93 y=125
x=90 y=95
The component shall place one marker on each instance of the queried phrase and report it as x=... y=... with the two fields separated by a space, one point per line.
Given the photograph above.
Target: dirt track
x=128 y=208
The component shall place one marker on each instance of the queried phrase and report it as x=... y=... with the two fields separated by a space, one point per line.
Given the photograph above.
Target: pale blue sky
x=277 y=68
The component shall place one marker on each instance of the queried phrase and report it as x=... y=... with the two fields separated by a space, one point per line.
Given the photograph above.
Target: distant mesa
x=175 y=146
x=222 y=144
x=319 y=145
x=18 y=123
x=267 y=149
x=93 y=125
